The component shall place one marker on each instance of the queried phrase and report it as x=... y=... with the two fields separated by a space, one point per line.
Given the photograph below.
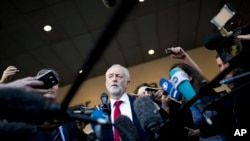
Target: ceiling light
x=47 y=28
x=141 y=0
x=151 y=52
x=80 y=71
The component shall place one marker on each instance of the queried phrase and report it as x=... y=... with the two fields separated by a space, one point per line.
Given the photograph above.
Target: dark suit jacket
x=144 y=136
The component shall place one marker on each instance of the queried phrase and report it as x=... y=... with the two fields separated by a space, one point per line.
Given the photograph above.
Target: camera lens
x=233 y=48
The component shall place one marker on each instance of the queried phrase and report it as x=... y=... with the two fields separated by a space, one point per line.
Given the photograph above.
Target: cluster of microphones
x=26 y=107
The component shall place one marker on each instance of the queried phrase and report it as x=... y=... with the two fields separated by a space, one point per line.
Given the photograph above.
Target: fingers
x=11 y=69
x=244 y=37
x=178 y=53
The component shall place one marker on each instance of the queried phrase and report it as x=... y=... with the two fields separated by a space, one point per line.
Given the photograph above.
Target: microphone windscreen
x=27 y=106
x=98 y=114
x=148 y=115
x=213 y=40
x=126 y=128
x=169 y=88
x=17 y=130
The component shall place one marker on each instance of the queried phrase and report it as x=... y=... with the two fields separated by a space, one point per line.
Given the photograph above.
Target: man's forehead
x=115 y=70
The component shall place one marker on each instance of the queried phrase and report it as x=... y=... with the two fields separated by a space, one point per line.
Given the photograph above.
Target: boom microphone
x=148 y=115
x=244 y=76
x=126 y=128
x=27 y=106
x=16 y=129
x=18 y=105
x=169 y=88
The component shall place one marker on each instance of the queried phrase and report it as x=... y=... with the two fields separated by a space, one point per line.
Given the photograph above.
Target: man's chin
x=114 y=91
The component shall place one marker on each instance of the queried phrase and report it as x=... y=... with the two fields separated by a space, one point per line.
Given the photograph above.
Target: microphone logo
x=165 y=86
x=175 y=79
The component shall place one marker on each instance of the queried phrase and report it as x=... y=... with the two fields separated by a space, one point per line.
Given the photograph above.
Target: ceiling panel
x=77 y=24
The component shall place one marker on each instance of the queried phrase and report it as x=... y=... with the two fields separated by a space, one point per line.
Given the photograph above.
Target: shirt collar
x=124 y=98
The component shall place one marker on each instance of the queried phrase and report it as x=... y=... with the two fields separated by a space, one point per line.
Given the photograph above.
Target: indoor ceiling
x=77 y=26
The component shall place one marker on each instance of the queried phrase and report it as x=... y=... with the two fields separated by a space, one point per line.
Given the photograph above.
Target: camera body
x=231 y=47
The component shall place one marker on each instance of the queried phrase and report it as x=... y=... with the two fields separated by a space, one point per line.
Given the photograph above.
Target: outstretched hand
x=8 y=73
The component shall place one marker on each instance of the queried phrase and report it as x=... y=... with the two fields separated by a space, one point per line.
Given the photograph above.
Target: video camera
x=229 y=48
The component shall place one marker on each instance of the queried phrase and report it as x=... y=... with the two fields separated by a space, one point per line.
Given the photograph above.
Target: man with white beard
x=117 y=82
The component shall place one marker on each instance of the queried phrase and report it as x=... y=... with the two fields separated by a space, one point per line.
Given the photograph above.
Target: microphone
x=126 y=128
x=213 y=40
x=182 y=83
x=149 y=117
x=16 y=128
x=244 y=76
x=104 y=106
x=98 y=114
x=169 y=88
x=82 y=110
x=27 y=106
x=18 y=105
x=109 y=3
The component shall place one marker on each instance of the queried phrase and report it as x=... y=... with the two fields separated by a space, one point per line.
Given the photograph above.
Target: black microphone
x=213 y=40
x=149 y=117
x=244 y=76
x=27 y=106
x=126 y=128
x=105 y=106
x=16 y=130
x=109 y=3
x=19 y=105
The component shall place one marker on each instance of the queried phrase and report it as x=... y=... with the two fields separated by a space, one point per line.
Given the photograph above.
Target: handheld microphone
x=169 y=88
x=244 y=76
x=98 y=114
x=149 y=117
x=104 y=106
x=126 y=128
x=181 y=82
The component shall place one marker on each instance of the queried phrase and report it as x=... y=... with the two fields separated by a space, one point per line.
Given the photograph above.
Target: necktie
x=117 y=113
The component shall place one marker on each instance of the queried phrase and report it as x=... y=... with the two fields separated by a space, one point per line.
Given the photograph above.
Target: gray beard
x=116 y=92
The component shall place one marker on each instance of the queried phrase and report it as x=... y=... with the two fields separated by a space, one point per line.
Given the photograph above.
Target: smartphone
x=49 y=79
x=168 y=51
x=152 y=89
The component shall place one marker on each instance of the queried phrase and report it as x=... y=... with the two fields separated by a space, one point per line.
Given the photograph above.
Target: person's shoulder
x=131 y=95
